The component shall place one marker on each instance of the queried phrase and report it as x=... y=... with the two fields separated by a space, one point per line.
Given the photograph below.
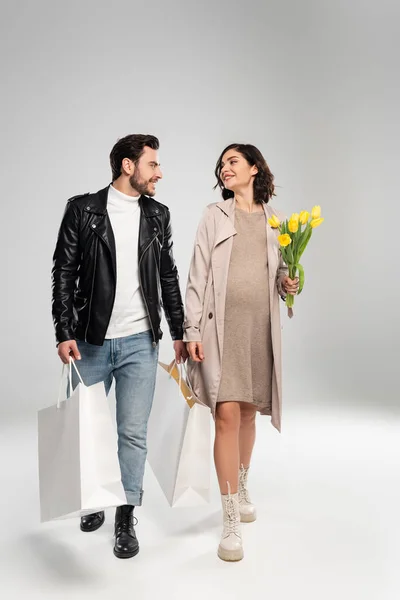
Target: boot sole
x=247 y=518
x=93 y=528
x=126 y=554
x=230 y=555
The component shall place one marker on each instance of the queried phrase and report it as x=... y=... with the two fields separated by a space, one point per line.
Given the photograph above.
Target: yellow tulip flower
x=274 y=222
x=293 y=225
x=316 y=222
x=295 y=217
x=316 y=212
x=284 y=239
x=304 y=216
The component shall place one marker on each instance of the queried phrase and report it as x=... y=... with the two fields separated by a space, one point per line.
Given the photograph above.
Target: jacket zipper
x=91 y=293
x=143 y=294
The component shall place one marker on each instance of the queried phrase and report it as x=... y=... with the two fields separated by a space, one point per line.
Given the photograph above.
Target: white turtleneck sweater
x=129 y=315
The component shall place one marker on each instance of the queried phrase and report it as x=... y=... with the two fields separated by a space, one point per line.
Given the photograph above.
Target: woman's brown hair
x=263 y=183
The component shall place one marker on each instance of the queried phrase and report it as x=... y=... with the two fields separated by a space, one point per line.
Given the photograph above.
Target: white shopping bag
x=179 y=440
x=79 y=470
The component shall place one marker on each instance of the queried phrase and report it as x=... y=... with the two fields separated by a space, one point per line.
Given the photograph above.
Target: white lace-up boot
x=231 y=547
x=248 y=512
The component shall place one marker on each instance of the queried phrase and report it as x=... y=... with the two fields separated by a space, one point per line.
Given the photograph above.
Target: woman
x=232 y=329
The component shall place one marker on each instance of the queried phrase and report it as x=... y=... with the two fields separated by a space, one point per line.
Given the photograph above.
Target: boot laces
x=243 y=491
x=126 y=523
x=232 y=523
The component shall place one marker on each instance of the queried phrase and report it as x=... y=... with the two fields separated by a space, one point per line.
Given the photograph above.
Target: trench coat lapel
x=272 y=242
x=227 y=228
x=220 y=263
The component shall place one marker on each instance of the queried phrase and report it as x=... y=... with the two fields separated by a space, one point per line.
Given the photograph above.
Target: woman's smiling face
x=236 y=172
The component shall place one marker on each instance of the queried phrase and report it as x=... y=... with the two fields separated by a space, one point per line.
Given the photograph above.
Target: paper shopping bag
x=79 y=470
x=179 y=440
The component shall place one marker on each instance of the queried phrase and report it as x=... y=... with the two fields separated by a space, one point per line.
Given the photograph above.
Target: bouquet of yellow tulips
x=295 y=233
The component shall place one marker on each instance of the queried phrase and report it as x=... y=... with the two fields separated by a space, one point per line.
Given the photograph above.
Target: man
x=113 y=270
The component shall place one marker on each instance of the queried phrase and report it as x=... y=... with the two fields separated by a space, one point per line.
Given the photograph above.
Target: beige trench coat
x=205 y=302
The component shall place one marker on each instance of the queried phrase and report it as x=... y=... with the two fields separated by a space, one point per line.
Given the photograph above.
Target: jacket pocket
x=208 y=307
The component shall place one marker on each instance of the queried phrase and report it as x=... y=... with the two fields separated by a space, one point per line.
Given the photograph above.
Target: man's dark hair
x=132 y=147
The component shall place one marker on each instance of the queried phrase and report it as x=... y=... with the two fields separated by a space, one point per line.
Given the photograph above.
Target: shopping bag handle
x=175 y=364
x=71 y=362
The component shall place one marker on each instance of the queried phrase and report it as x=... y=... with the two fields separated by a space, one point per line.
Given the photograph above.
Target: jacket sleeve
x=171 y=294
x=197 y=280
x=281 y=273
x=282 y=270
x=66 y=261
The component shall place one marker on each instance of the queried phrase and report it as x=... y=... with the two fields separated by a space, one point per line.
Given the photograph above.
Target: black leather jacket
x=84 y=270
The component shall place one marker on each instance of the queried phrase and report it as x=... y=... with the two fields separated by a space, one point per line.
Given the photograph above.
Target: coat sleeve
x=197 y=280
x=281 y=273
x=282 y=270
x=66 y=261
x=171 y=294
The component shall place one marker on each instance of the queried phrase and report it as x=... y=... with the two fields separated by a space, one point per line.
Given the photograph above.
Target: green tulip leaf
x=301 y=279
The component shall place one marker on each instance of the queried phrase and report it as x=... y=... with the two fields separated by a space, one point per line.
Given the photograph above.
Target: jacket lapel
x=272 y=242
x=227 y=228
x=100 y=223
x=149 y=225
x=220 y=262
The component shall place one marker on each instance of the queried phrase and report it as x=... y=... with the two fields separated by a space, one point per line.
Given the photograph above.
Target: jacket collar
x=97 y=203
x=149 y=206
x=228 y=207
x=269 y=211
x=228 y=229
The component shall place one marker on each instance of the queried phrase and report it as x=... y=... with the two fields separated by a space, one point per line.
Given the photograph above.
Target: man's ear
x=127 y=167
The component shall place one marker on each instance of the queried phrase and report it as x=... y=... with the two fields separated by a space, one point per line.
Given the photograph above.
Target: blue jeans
x=132 y=362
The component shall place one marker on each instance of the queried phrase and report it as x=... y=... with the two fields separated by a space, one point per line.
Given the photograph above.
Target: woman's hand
x=195 y=350
x=291 y=286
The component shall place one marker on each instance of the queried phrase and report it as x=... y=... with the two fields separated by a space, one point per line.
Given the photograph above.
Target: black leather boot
x=126 y=543
x=92 y=522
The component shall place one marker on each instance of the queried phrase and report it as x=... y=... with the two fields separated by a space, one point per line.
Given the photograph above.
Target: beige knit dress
x=247 y=359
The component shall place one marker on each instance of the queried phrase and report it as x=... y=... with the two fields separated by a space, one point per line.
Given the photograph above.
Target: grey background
x=313 y=84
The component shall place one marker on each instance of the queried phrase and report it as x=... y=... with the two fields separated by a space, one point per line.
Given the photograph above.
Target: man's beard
x=140 y=186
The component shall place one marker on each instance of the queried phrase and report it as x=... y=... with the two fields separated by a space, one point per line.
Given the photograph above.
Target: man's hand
x=195 y=350
x=291 y=286
x=68 y=349
x=181 y=353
